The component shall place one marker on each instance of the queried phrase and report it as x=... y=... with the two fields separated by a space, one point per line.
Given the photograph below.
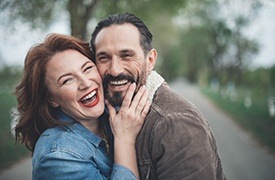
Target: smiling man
x=121 y=60
x=176 y=141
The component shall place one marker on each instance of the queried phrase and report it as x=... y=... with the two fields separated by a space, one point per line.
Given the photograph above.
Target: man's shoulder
x=167 y=101
x=169 y=107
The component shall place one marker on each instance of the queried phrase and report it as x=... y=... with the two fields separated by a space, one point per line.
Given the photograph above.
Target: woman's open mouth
x=91 y=99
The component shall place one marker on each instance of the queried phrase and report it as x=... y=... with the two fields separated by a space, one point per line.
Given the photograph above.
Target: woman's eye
x=88 y=68
x=66 y=81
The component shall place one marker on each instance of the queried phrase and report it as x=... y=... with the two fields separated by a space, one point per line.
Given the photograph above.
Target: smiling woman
x=62 y=119
x=75 y=86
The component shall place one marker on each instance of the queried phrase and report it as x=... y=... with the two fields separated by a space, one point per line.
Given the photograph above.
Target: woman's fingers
x=128 y=96
x=140 y=100
x=127 y=123
x=146 y=109
x=112 y=110
x=137 y=104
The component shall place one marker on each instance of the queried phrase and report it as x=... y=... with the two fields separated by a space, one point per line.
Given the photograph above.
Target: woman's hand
x=127 y=123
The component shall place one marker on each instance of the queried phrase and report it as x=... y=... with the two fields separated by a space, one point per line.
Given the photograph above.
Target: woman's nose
x=84 y=82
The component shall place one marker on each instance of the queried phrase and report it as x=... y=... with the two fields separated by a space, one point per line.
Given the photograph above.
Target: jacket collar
x=78 y=128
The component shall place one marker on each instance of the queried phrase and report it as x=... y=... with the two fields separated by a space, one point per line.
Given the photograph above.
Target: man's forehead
x=121 y=31
x=117 y=38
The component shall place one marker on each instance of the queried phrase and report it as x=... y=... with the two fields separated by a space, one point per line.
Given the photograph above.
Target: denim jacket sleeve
x=66 y=165
x=73 y=152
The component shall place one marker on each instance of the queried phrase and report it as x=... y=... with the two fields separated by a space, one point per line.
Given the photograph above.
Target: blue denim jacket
x=74 y=152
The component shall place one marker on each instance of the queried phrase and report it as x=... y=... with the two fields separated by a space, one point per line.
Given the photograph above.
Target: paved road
x=241 y=156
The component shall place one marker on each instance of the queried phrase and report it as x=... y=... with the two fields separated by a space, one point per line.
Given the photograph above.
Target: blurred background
x=225 y=47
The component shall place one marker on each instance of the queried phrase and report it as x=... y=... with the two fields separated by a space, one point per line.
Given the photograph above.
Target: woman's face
x=75 y=85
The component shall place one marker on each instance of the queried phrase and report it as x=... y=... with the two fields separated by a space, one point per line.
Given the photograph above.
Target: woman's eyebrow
x=63 y=75
x=87 y=62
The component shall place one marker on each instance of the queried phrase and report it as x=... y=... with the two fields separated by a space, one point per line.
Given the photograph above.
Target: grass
x=255 y=118
x=9 y=151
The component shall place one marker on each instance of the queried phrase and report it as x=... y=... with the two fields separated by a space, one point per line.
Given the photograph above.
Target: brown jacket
x=176 y=141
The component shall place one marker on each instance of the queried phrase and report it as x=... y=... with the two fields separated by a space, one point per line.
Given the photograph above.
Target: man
x=175 y=141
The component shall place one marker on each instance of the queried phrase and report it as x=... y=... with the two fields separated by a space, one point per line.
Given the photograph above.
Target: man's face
x=121 y=61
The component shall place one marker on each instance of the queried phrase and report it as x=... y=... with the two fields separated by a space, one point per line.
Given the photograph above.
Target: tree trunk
x=80 y=14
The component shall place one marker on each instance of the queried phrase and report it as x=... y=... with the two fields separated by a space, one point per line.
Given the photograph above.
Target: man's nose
x=116 y=67
x=84 y=82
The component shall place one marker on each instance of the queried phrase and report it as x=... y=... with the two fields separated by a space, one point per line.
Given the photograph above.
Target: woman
x=61 y=119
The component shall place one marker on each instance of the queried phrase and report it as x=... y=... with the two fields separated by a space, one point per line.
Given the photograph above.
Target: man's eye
x=102 y=59
x=126 y=55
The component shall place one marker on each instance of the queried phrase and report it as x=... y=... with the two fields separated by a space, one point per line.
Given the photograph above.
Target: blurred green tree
x=215 y=42
x=41 y=13
x=9 y=75
x=203 y=43
x=272 y=76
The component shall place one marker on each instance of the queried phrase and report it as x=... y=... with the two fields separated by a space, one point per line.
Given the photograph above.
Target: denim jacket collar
x=78 y=128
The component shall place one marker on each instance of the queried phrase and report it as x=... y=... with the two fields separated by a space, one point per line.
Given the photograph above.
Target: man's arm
x=184 y=148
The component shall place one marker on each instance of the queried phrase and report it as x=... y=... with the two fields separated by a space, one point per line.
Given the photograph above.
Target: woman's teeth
x=88 y=97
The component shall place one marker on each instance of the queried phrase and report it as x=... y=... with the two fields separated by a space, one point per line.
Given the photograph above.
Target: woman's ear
x=152 y=58
x=53 y=103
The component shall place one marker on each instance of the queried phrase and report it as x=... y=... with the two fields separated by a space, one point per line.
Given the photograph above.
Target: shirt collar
x=78 y=128
x=153 y=82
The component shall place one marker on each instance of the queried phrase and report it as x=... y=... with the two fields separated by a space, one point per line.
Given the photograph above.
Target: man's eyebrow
x=101 y=53
x=127 y=51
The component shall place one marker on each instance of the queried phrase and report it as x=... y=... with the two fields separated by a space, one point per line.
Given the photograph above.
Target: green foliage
x=9 y=151
x=195 y=54
x=208 y=43
x=256 y=118
x=259 y=77
x=41 y=13
x=9 y=75
x=170 y=66
x=204 y=41
x=145 y=9
x=35 y=13
x=272 y=75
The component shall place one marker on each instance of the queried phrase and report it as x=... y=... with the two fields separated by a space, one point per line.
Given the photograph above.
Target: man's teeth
x=117 y=83
x=89 y=96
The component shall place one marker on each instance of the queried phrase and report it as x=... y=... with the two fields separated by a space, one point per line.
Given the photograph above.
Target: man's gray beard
x=115 y=100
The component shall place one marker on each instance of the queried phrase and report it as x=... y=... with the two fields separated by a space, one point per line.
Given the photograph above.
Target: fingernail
x=142 y=87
